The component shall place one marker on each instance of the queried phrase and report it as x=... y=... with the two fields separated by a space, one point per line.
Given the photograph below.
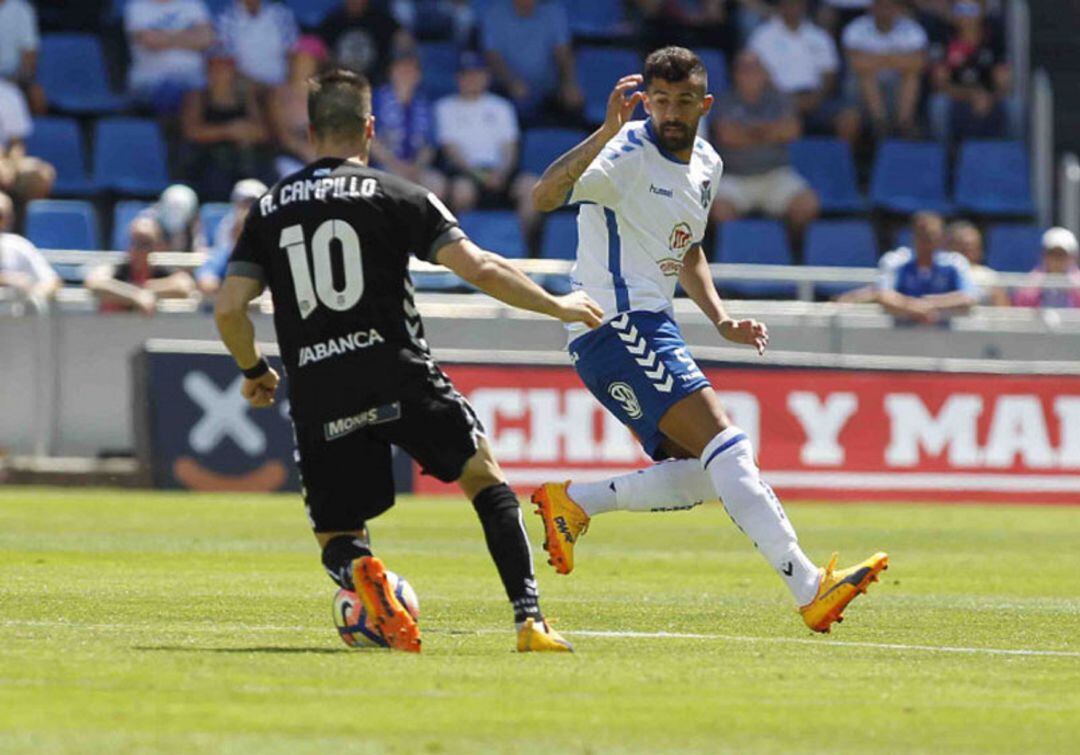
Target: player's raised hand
x=749 y=332
x=260 y=391
x=578 y=306
x=621 y=104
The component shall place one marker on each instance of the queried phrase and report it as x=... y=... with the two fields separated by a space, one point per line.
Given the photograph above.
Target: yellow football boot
x=838 y=588
x=536 y=637
x=564 y=523
x=395 y=624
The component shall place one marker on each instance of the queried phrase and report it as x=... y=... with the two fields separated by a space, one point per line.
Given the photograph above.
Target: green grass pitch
x=146 y=622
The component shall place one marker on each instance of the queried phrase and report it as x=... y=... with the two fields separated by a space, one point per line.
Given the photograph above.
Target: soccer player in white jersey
x=645 y=188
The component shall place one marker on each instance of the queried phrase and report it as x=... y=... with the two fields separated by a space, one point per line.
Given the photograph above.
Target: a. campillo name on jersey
x=319 y=189
x=333 y=347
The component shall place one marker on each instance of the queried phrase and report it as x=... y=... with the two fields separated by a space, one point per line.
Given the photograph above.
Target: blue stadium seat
x=59 y=142
x=439 y=61
x=1013 y=248
x=904 y=236
x=909 y=176
x=541 y=146
x=310 y=13
x=129 y=156
x=716 y=66
x=211 y=215
x=596 y=18
x=598 y=69
x=560 y=237
x=840 y=243
x=124 y=212
x=826 y=163
x=71 y=69
x=761 y=242
x=994 y=178
x=62 y=224
x=497 y=230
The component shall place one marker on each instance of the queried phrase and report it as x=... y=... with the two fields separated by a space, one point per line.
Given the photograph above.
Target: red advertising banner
x=820 y=434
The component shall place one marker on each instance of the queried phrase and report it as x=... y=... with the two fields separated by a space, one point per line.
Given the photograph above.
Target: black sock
x=339 y=554
x=500 y=514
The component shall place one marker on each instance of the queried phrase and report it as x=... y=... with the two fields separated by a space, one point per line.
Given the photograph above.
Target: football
x=351 y=618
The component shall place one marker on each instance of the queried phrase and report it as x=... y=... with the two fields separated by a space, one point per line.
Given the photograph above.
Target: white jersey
x=642 y=209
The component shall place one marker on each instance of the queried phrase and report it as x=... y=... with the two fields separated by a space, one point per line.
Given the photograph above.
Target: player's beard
x=675 y=136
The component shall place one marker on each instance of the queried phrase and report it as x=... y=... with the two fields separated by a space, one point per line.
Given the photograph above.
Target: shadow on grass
x=262 y=649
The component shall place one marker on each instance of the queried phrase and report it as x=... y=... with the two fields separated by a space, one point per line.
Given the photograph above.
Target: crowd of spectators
x=230 y=88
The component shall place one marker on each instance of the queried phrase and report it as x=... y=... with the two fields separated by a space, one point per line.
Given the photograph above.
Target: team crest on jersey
x=624 y=394
x=706 y=193
x=680 y=239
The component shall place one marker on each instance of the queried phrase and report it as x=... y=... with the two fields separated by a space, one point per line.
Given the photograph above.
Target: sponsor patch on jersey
x=338 y=428
x=670 y=266
x=680 y=239
x=361 y=339
x=627 y=399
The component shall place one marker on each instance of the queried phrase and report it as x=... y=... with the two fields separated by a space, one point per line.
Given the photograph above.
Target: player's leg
x=348 y=480
x=699 y=424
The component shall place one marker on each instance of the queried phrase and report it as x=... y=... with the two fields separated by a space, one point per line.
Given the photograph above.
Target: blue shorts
x=638 y=367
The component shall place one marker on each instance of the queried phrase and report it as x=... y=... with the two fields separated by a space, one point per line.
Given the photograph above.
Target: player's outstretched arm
x=696 y=280
x=238 y=334
x=498 y=278
x=554 y=186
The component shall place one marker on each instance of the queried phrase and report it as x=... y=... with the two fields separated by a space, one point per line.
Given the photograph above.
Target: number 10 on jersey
x=310 y=291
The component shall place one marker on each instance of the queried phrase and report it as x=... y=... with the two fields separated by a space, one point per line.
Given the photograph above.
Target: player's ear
x=645 y=102
x=312 y=139
x=369 y=128
x=706 y=104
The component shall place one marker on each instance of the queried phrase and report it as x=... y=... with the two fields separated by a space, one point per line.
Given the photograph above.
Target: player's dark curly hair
x=674 y=64
x=339 y=103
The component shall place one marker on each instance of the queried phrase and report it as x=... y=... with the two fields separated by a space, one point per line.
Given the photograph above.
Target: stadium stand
x=540 y=146
x=716 y=66
x=560 y=236
x=439 y=61
x=840 y=243
x=72 y=71
x=62 y=224
x=598 y=68
x=909 y=176
x=310 y=13
x=1014 y=248
x=994 y=178
x=827 y=164
x=597 y=18
x=210 y=215
x=59 y=142
x=123 y=213
x=761 y=242
x=130 y=156
x=497 y=230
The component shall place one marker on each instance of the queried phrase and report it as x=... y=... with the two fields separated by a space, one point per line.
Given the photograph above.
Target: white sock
x=667 y=486
x=750 y=502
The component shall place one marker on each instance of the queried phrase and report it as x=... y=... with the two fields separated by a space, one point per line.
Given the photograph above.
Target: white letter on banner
x=552 y=427
x=618 y=444
x=1067 y=409
x=913 y=426
x=1019 y=427
x=492 y=403
x=822 y=423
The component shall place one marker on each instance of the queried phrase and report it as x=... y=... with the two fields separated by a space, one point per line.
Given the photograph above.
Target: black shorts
x=346 y=465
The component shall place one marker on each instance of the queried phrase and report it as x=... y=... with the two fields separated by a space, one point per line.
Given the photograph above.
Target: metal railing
x=1042 y=146
x=1069 y=192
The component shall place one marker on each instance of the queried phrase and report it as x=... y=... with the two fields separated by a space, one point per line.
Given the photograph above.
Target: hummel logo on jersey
x=662 y=192
x=624 y=394
x=789 y=569
x=361 y=339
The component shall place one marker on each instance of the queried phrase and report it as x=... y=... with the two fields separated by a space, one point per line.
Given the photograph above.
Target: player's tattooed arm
x=554 y=186
x=500 y=279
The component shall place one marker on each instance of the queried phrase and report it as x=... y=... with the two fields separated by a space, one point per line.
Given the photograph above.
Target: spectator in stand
x=886 y=51
x=19 y=48
x=210 y=274
x=925 y=285
x=288 y=116
x=527 y=44
x=477 y=132
x=753 y=128
x=971 y=81
x=802 y=61
x=361 y=37
x=223 y=129
x=259 y=34
x=835 y=15
x=438 y=19
x=688 y=23
x=1060 y=254
x=405 y=125
x=21 y=265
x=136 y=285
x=964 y=237
x=167 y=40
x=176 y=215
x=22 y=176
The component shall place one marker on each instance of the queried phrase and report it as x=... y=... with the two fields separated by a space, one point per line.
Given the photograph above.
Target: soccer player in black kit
x=332 y=242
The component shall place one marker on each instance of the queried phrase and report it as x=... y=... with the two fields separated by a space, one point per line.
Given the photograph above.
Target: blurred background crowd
x=848 y=128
